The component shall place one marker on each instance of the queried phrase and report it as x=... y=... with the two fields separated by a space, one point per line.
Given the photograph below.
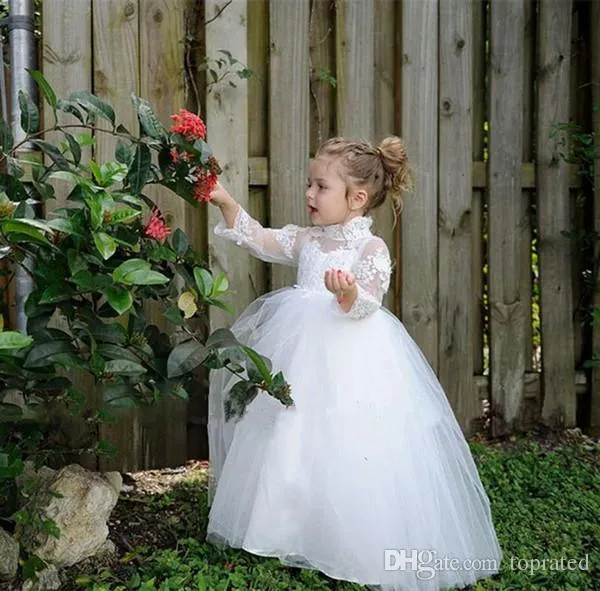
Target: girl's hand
x=219 y=196
x=341 y=283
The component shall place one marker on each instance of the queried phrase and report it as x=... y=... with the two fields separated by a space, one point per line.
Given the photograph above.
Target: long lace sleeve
x=268 y=244
x=372 y=271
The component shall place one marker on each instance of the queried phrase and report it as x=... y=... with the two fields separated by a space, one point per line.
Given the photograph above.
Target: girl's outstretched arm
x=268 y=244
x=360 y=292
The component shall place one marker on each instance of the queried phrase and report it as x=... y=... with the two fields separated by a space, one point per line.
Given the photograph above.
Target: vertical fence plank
x=322 y=73
x=384 y=113
x=529 y=57
x=420 y=130
x=161 y=82
x=595 y=75
x=258 y=114
x=355 y=53
x=227 y=121
x=507 y=307
x=116 y=76
x=455 y=182
x=477 y=200
x=288 y=119
x=558 y=366
x=67 y=64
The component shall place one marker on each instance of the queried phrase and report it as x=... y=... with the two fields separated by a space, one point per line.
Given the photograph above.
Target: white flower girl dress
x=368 y=478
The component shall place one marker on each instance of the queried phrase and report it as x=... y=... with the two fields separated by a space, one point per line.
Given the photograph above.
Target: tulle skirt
x=368 y=477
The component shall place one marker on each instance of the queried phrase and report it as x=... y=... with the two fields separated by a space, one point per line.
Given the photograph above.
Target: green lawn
x=545 y=501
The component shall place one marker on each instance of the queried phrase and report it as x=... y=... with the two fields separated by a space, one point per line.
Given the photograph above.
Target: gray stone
x=47 y=580
x=9 y=556
x=80 y=503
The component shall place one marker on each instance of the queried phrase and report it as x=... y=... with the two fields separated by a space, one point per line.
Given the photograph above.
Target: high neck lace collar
x=356 y=228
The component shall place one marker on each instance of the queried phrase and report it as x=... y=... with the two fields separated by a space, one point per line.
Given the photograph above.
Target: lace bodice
x=315 y=249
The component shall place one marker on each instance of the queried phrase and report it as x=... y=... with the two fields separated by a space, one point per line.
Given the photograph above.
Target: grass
x=545 y=501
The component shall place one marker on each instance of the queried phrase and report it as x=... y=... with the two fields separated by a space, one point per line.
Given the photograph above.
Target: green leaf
x=120 y=299
x=105 y=244
x=220 y=285
x=74 y=148
x=86 y=281
x=56 y=292
x=94 y=202
x=123 y=153
x=14 y=340
x=32 y=565
x=76 y=261
x=180 y=242
x=45 y=87
x=16 y=229
x=261 y=363
x=124 y=367
x=185 y=357
x=173 y=314
x=6 y=137
x=145 y=277
x=223 y=305
x=71 y=108
x=53 y=153
x=139 y=169
x=127 y=267
x=148 y=120
x=91 y=103
x=42 y=354
x=110 y=351
x=39 y=224
x=30 y=116
x=222 y=337
x=121 y=395
x=64 y=226
x=203 y=150
x=204 y=281
x=125 y=215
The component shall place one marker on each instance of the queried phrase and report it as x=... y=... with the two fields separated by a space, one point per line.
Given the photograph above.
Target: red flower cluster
x=190 y=126
x=157 y=227
x=205 y=183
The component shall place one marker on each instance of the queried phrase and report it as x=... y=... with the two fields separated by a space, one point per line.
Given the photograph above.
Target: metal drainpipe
x=22 y=55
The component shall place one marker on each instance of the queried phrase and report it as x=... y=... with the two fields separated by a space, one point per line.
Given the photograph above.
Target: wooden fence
x=474 y=87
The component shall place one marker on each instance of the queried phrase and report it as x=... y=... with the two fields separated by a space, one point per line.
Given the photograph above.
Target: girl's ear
x=359 y=199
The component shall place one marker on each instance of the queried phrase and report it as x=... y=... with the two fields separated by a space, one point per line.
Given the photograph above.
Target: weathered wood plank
x=288 y=119
x=419 y=127
x=529 y=56
x=532 y=385
x=508 y=314
x=164 y=433
x=595 y=75
x=116 y=76
x=227 y=122
x=258 y=125
x=558 y=364
x=385 y=115
x=67 y=64
x=258 y=171
x=322 y=73
x=455 y=272
x=355 y=29
x=478 y=196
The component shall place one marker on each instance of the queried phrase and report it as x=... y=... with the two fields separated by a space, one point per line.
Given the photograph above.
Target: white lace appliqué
x=372 y=271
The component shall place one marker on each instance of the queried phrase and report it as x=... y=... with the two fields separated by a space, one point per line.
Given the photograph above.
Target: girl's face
x=328 y=198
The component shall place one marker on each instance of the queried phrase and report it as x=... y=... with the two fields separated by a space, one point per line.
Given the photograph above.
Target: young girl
x=368 y=477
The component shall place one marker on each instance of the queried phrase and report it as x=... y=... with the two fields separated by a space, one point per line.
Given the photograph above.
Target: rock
x=9 y=551
x=80 y=503
x=37 y=477
x=47 y=580
x=115 y=479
